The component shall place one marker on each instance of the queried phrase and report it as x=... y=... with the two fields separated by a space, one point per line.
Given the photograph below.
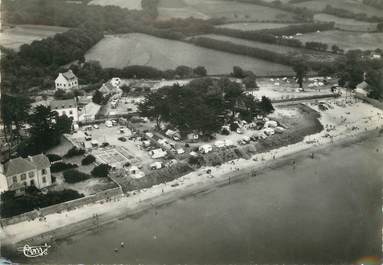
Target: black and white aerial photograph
x=191 y=132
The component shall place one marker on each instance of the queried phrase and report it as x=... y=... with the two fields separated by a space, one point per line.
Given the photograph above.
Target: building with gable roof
x=66 y=81
x=19 y=173
x=66 y=107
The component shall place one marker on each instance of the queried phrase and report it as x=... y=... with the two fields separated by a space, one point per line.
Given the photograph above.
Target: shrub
x=54 y=157
x=89 y=159
x=74 y=176
x=60 y=166
x=12 y=205
x=101 y=171
x=74 y=151
x=196 y=161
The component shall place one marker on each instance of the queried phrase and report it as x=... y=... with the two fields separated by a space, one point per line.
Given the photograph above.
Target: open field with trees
x=15 y=36
x=253 y=26
x=230 y=10
x=139 y=49
x=346 y=40
x=130 y=4
x=310 y=55
x=349 y=5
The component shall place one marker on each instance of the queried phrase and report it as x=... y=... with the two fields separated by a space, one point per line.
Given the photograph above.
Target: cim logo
x=34 y=251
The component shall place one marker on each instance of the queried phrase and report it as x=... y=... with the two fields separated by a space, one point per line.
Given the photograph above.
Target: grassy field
x=346 y=40
x=16 y=36
x=350 y=5
x=140 y=49
x=252 y=26
x=309 y=54
x=330 y=18
x=129 y=4
x=232 y=11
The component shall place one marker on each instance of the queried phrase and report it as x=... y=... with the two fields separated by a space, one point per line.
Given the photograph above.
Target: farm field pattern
x=251 y=26
x=346 y=40
x=13 y=38
x=310 y=54
x=350 y=5
x=140 y=49
x=232 y=11
x=129 y=4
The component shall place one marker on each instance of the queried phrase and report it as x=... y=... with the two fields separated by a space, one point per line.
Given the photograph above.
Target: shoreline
x=62 y=225
x=182 y=192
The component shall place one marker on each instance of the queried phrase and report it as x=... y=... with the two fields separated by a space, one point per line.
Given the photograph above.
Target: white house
x=66 y=107
x=19 y=173
x=66 y=81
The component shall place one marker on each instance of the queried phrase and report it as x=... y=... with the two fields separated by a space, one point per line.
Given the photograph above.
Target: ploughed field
x=299 y=52
x=14 y=37
x=253 y=26
x=354 y=6
x=129 y=4
x=346 y=40
x=232 y=11
x=140 y=49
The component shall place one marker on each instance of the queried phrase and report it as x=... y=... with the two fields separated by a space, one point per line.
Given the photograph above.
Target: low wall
x=69 y=205
x=304 y=98
x=376 y=103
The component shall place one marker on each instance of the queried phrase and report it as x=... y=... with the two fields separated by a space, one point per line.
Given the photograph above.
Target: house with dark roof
x=66 y=107
x=66 y=81
x=19 y=173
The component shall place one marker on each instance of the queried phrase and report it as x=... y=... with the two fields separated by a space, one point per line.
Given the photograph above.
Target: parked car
x=122 y=139
x=96 y=126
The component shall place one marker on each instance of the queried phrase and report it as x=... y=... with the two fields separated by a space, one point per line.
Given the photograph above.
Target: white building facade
x=66 y=107
x=19 y=173
x=66 y=81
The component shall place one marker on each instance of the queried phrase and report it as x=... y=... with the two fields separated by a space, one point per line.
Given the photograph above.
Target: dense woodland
x=216 y=101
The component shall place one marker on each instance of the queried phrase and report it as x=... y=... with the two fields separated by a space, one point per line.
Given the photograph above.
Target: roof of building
x=20 y=165
x=364 y=85
x=90 y=109
x=63 y=104
x=108 y=87
x=41 y=161
x=69 y=75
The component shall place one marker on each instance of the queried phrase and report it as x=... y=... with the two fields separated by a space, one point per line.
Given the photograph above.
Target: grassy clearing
x=14 y=37
x=252 y=26
x=140 y=49
x=346 y=40
x=232 y=11
x=350 y=5
x=309 y=54
x=129 y=4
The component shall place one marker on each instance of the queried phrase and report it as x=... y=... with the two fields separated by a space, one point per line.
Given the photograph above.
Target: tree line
x=273 y=36
x=268 y=55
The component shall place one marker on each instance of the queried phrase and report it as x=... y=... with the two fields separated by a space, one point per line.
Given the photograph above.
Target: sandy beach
x=340 y=128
